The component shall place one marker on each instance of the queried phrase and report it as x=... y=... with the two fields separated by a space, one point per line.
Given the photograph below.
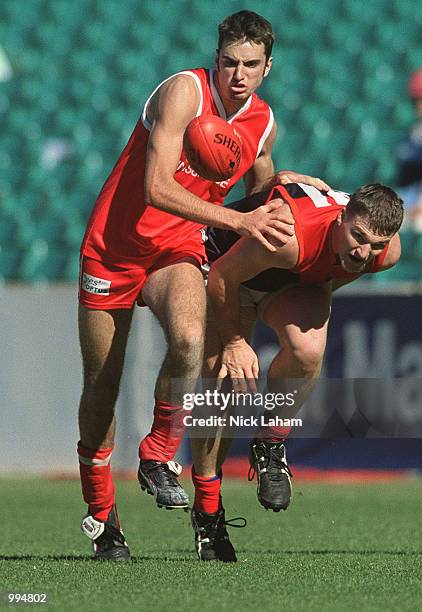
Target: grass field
x=338 y=547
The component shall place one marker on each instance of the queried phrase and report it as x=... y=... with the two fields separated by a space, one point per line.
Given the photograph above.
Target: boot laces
x=270 y=459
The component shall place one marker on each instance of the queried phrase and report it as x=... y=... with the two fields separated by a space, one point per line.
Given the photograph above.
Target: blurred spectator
x=409 y=157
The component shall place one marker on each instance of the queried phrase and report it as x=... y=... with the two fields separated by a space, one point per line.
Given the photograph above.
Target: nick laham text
x=240 y=421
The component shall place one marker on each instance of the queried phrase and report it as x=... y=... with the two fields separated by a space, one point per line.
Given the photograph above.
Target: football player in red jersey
x=144 y=242
x=337 y=239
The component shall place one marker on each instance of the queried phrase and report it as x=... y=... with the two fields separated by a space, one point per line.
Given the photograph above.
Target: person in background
x=409 y=159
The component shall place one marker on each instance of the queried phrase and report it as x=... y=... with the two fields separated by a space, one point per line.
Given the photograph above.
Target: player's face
x=241 y=67
x=357 y=244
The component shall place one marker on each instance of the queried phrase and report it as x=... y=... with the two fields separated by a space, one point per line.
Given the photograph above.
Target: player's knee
x=308 y=358
x=187 y=348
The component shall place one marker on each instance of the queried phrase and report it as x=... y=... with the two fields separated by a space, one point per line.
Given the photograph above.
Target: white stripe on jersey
x=197 y=80
x=320 y=199
x=266 y=132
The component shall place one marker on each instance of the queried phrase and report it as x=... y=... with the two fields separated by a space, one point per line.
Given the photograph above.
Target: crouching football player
x=337 y=239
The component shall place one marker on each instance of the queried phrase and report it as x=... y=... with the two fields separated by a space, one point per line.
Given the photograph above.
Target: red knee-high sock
x=274 y=434
x=207 y=493
x=96 y=480
x=167 y=431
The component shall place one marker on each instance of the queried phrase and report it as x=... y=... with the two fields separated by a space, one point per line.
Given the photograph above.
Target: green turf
x=344 y=547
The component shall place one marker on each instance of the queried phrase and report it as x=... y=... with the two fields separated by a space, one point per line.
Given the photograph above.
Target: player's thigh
x=299 y=314
x=176 y=295
x=103 y=337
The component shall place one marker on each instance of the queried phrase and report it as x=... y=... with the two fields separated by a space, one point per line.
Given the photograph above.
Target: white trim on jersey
x=219 y=104
x=319 y=198
x=341 y=197
x=147 y=125
x=266 y=132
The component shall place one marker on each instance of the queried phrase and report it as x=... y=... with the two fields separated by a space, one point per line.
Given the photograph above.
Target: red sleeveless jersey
x=124 y=229
x=315 y=212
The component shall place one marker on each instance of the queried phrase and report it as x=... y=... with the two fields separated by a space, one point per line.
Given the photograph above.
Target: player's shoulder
x=177 y=91
x=178 y=95
x=309 y=199
x=182 y=82
x=287 y=256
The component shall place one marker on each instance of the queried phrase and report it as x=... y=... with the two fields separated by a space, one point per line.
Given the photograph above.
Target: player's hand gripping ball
x=212 y=147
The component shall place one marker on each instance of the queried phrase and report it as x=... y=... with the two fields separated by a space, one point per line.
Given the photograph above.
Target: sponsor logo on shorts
x=204 y=236
x=93 y=284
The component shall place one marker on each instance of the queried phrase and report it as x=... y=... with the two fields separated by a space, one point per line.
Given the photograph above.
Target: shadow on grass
x=182 y=557
x=178 y=557
x=311 y=553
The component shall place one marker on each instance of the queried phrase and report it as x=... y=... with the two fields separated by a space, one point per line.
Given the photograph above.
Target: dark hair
x=380 y=205
x=246 y=25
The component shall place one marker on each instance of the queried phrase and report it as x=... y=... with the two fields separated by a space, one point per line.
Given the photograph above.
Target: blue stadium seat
x=337 y=87
x=70 y=270
x=402 y=272
x=42 y=263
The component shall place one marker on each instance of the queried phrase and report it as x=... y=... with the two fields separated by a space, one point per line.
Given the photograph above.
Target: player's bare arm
x=171 y=109
x=262 y=176
x=243 y=261
x=262 y=172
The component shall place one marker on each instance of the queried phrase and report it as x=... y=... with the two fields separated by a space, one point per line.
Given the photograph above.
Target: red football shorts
x=103 y=286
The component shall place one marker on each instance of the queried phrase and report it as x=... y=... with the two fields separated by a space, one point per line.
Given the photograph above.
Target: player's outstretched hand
x=272 y=220
x=289 y=176
x=239 y=362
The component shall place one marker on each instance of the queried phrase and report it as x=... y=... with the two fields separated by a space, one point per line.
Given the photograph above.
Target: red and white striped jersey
x=314 y=212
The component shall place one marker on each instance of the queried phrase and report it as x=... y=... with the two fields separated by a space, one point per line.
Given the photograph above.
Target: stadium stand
x=81 y=71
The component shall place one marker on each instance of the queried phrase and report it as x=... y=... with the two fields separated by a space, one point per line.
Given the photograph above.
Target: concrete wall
x=374 y=337
x=40 y=380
